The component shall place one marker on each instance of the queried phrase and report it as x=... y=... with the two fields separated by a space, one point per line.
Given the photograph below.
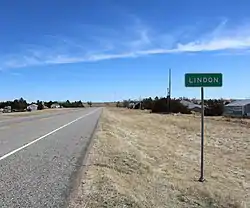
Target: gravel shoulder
x=141 y=160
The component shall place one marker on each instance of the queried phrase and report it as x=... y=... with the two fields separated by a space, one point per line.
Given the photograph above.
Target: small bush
x=147 y=103
x=214 y=108
x=161 y=106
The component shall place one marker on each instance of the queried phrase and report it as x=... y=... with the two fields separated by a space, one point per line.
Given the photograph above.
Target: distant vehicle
x=7 y=109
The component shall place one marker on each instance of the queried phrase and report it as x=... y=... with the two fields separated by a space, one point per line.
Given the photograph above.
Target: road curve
x=40 y=154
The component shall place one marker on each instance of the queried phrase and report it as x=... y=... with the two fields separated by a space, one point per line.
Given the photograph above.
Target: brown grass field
x=148 y=160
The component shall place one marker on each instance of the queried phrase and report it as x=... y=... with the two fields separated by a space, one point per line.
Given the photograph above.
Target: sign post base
x=201 y=179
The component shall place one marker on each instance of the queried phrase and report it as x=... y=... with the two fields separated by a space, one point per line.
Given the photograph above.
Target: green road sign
x=203 y=80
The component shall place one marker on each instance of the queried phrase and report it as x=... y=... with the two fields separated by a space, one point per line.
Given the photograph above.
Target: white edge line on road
x=44 y=136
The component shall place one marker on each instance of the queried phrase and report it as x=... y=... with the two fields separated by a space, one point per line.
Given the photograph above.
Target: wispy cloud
x=134 y=41
x=16 y=74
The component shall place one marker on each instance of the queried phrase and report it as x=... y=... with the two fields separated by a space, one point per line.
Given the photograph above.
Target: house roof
x=189 y=105
x=239 y=102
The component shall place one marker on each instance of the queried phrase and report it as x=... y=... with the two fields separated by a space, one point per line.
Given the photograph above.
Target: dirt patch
x=147 y=160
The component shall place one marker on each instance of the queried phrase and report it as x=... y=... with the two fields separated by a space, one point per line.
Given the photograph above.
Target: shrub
x=161 y=106
x=214 y=107
x=118 y=104
x=147 y=103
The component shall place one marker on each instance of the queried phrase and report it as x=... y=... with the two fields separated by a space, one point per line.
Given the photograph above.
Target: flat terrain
x=40 y=153
x=142 y=160
x=50 y=111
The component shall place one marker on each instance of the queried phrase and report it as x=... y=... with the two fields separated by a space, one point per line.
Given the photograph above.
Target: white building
x=32 y=107
x=238 y=108
x=191 y=106
x=55 y=105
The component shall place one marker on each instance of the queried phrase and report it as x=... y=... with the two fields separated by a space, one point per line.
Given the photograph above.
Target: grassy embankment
x=147 y=160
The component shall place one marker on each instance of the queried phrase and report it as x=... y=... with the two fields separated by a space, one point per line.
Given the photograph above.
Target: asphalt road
x=40 y=154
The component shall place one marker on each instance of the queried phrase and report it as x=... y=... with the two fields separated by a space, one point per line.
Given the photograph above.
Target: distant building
x=238 y=108
x=134 y=105
x=137 y=105
x=191 y=106
x=55 y=105
x=131 y=105
x=32 y=107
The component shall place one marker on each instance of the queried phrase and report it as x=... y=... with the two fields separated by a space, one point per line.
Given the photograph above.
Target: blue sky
x=104 y=50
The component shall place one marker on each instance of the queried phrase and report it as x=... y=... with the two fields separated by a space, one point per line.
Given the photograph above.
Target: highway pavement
x=40 y=155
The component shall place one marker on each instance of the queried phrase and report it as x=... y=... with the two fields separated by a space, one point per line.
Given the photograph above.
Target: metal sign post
x=202 y=136
x=203 y=80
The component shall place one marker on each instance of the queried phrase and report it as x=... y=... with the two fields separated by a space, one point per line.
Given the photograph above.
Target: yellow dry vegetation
x=142 y=160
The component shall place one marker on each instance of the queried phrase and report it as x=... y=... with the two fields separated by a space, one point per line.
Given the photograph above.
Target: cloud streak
x=136 y=41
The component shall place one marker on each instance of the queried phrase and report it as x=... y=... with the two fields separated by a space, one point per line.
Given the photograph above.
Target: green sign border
x=195 y=75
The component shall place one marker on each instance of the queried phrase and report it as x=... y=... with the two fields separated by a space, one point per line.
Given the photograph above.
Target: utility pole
x=140 y=103
x=169 y=90
x=115 y=96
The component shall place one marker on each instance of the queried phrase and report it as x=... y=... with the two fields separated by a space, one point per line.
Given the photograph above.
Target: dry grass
x=145 y=160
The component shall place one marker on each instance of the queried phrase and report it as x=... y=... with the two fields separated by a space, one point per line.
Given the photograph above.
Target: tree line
x=213 y=107
x=17 y=104
x=21 y=104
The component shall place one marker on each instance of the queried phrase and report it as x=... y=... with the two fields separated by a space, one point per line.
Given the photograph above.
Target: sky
x=106 y=50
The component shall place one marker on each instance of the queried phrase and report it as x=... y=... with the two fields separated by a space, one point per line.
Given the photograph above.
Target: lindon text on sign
x=203 y=80
x=192 y=80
